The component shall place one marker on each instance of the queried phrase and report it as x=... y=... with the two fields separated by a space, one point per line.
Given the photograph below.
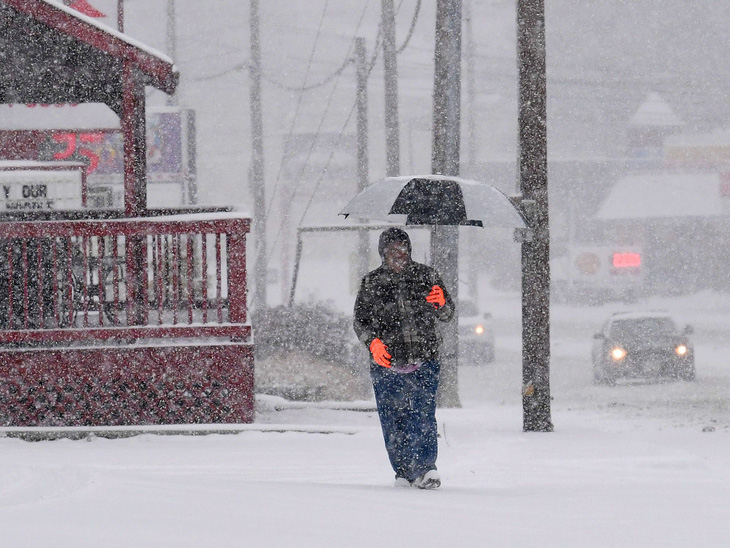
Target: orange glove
x=380 y=353
x=436 y=297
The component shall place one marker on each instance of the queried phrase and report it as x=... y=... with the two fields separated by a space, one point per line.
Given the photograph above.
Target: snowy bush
x=309 y=352
x=312 y=329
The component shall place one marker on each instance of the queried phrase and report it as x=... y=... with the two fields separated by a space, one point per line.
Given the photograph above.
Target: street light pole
x=445 y=160
x=257 y=162
x=390 y=69
x=171 y=42
x=534 y=189
x=120 y=15
x=363 y=239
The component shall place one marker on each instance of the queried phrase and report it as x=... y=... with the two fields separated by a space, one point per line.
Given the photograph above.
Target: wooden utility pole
x=256 y=172
x=390 y=65
x=445 y=161
x=534 y=188
x=120 y=15
x=363 y=247
x=470 y=87
x=171 y=42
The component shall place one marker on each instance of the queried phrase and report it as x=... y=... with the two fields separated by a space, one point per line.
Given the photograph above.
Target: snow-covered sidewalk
x=598 y=480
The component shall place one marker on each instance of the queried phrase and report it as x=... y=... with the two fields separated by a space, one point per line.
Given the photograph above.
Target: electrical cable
x=296 y=110
x=314 y=140
x=326 y=165
x=410 y=30
x=321 y=83
x=291 y=130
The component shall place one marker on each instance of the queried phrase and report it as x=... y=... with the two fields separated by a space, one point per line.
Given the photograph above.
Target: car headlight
x=618 y=353
x=479 y=329
x=681 y=350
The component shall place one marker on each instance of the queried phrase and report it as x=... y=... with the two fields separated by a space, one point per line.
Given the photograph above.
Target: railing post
x=236 y=246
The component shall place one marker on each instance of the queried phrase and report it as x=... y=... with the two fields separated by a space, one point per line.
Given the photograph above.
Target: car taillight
x=681 y=350
x=618 y=353
x=479 y=329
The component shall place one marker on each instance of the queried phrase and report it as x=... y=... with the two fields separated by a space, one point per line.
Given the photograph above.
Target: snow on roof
x=109 y=30
x=21 y=117
x=715 y=138
x=56 y=16
x=637 y=314
x=655 y=111
x=32 y=164
x=77 y=116
x=659 y=195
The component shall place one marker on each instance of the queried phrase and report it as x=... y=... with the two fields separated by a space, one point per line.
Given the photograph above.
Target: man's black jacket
x=392 y=307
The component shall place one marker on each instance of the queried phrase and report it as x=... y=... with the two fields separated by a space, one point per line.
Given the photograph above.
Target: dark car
x=642 y=345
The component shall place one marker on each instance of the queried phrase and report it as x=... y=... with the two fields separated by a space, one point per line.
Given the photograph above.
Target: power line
x=302 y=89
x=413 y=26
x=313 y=144
x=298 y=105
x=326 y=165
x=314 y=140
x=324 y=82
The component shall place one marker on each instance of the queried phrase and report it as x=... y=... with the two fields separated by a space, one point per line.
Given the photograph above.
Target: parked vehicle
x=476 y=336
x=642 y=345
x=597 y=274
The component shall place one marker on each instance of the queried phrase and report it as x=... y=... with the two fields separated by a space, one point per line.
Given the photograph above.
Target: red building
x=132 y=317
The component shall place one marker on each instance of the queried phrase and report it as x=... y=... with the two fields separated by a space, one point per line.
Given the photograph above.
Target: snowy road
x=703 y=403
x=626 y=466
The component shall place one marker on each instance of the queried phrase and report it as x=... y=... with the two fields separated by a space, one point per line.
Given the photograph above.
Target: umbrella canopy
x=435 y=200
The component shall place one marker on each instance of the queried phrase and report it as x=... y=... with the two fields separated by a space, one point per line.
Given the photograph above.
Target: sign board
x=34 y=186
x=85 y=133
x=103 y=150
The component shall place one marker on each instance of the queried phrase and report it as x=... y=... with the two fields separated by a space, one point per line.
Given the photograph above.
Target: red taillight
x=626 y=260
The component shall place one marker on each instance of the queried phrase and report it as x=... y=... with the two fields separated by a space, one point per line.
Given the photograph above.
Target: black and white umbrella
x=435 y=200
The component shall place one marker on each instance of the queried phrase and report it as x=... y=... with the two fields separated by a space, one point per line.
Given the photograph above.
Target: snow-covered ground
x=639 y=464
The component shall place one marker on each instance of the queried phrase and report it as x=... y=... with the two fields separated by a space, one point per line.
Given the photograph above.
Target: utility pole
x=390 y=65
x=120 y=15
x=445 y=161
x=470 y=89
x=534 y=188
x=256 y=173
x=472 y=237
x=363 y=242
x=171 y=43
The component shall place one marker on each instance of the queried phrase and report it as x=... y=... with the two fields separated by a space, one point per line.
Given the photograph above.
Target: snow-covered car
x=642 y=345
x=476 y=336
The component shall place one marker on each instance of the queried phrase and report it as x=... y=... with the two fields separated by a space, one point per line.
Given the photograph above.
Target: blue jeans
x=407 y=410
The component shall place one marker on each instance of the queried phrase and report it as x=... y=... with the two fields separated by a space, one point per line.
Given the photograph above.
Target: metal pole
x=171 y=42
x=470 y=88
x=445 y=161
x=295 y=274
x=257 y=162
x=534 y=187
x=120 y=15
x=390 y=66
x=363 y=247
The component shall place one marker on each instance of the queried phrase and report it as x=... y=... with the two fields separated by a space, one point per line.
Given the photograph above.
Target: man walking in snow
x=395 y=317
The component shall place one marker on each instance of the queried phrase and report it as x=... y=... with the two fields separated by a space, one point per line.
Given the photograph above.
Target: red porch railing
x=82 y=303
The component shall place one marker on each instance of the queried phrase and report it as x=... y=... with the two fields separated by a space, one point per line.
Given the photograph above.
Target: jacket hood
x=393 y=235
